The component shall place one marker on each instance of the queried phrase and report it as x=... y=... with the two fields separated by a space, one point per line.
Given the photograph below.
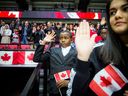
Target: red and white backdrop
x=51 y=14
x=16 y=57
x=25 y=57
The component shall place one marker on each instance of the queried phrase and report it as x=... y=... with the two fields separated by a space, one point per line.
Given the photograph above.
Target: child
x=15 y=36
x=61 y=59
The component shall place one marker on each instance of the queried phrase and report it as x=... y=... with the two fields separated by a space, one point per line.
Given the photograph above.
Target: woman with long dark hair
x=103 y=70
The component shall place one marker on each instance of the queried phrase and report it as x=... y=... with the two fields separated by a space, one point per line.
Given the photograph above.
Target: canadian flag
x=6 y=57
x=11 y=14
x=16 y=57
x=29 y=57
x=62 y=75
x=107 y=81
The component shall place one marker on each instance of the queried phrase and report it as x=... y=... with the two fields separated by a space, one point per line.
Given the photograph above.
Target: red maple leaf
x=30 y=57
x=63 y=75
x=5 y=57
x=12 y=15
x=105 y=81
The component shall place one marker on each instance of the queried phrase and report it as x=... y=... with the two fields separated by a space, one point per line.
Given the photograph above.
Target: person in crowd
x=49 y=27
x=92 y=27
x=20 y=30
x=26 y=33
x=103 y=71
x=2 y=27
x=72 y=30
x=102 y=24
x=103 y=28
x=15 y=36
x=61 y=59
x=12 y=25
x=102 y=31
x=58 y=29
x=64 y=26
x=37 y=34
x=6 y=34
x=17 y=23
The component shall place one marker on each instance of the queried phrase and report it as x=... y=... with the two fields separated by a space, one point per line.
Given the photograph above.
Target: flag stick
x=60 y=92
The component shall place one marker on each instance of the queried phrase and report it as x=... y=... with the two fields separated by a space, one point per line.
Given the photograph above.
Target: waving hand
x=84 y=43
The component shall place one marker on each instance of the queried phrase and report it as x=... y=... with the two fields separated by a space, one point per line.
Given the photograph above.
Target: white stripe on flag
x=96 y=16
x=120 y=74
x=14 y=13
x=72 y=15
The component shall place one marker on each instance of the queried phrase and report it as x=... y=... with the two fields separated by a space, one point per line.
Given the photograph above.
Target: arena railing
x=17 y=46
x=39 y=75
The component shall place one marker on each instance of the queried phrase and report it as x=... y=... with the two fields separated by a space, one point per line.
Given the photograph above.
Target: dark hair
x=104 y=27
x=70 y=34
x=114 y=50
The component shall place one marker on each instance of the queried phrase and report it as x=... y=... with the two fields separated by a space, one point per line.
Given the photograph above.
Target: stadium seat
x=25 y=47
x=12 y=46
x=2 y=46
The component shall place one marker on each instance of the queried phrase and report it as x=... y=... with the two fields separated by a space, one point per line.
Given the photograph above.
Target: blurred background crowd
x=26 y=32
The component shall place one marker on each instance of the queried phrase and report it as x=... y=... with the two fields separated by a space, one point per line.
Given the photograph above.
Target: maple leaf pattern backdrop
x=16 y=57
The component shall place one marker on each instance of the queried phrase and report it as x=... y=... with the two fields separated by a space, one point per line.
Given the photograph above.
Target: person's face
x=65 y=39
x=71 y=26
x=6 y=26
x=26 y=23
x=58 y=25
x=103 y=33
x=119 y=16
x=34 y=28
x=38 y=27
x=49 y=24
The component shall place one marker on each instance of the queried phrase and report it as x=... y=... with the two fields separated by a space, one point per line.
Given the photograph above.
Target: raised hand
x=103 y=21
x=48 y=38
x=84 y=43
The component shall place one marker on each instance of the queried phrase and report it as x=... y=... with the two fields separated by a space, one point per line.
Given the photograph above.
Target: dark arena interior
x=19 y=74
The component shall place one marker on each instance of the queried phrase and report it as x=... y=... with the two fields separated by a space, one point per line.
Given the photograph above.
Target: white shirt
x=72 y=75
x=7 y=32
x=65 y=50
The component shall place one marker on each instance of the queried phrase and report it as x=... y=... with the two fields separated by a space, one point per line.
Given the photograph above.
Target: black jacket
x=57 y=61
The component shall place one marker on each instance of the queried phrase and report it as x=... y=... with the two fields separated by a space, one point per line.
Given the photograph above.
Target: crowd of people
x=98 y=70
x=25 y=32
x=91 y=59
x=62 y=58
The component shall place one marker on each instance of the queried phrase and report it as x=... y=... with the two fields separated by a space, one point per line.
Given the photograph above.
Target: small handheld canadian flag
x=62 y=75
x=107 y=81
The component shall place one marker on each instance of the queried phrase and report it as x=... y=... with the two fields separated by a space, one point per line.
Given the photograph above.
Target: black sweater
x=85 y=71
